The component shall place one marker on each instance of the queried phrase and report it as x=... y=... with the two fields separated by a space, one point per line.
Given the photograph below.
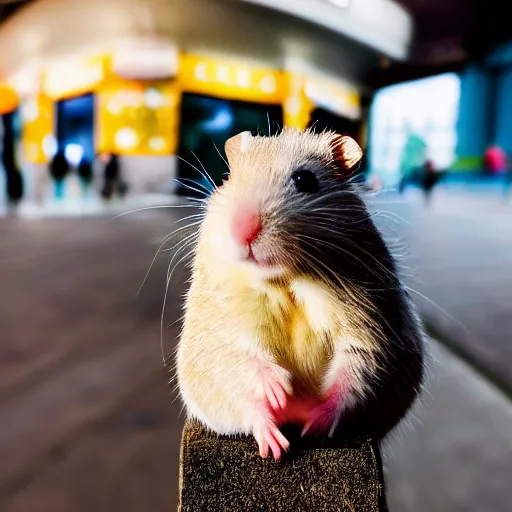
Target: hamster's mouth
x=266 y=266
x=258 y=258
x=258 y=261
x=262 y=258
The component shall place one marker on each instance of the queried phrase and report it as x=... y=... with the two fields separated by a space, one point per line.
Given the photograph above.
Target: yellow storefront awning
x=230 y=80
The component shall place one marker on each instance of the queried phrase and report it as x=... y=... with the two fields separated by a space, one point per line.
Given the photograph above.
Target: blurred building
x=450 y=102
x=452 y=118
x=152 y=79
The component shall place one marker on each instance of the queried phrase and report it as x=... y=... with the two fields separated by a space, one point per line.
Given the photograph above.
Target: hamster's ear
x=346 y=153
x=237 y=145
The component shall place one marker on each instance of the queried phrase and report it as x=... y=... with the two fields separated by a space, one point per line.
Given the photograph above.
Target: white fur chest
x=316 y=303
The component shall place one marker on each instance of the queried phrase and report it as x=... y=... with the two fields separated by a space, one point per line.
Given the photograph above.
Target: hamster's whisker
x=149 y=208
x=181 y=181
x=199 y=161
x=205 y=171
x=382 y=216
x=391 y=215
x=346 y=240
x=193 y=182
x=166 y=239
x=193 y=216
x=339 y=249
x=313 y=265
x=333 y=218
x=160 y=250
x=185 y=239
x=198 y=203
x=327 y=244
x=379 y=201
x=436 y=305
x=179 y=230
x=179 y=319
x=206 y=176
x=358 y=247
x=323 y=198
x=339 y=208
x=333 y=209
x=186 y=243
x=324 y=227
x=220 y=154
x=188 y=237
x=150 y=267
x=188 y=182
x=343 y=214
x=313 y=262
x=344 y=225
x=342 y=221
x=168 y=280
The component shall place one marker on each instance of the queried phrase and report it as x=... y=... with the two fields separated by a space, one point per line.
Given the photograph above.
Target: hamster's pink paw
x=268 y=436
x=298 y=410
x=274 y=385
x=324 y=418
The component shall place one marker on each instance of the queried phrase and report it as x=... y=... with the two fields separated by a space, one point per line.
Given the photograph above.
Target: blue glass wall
x=476 y=112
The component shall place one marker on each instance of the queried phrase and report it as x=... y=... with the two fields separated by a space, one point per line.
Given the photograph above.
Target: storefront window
x=206 y=124
x=75 y=128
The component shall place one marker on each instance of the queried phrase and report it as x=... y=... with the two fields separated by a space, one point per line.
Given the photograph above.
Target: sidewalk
x=456 y=454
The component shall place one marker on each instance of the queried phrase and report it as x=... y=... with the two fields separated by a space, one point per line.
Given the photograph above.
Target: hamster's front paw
x=268 y=436
x=274 y=386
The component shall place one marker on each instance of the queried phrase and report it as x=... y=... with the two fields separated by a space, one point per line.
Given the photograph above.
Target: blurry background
x=109 y=106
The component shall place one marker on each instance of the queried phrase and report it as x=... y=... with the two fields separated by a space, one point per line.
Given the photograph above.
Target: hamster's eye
x=305 y=181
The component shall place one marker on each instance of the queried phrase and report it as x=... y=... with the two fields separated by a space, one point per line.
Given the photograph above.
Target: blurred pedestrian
x=412 y=160
x=85 y=173
x=14 y=181
x=59 y=169
x=495 y=160
x=113 y=183
x=430 y=179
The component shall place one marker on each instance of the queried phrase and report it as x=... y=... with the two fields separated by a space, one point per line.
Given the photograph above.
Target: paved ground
x=88 y=422
x=87 y=419
x=455 y=453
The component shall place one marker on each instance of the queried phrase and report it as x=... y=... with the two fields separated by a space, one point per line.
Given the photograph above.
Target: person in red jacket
x=495 y=160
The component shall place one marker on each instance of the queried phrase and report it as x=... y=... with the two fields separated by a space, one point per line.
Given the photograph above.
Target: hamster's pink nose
x=246 y=226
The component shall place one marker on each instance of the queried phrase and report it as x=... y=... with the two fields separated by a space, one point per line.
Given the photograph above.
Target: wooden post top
x=226 y=474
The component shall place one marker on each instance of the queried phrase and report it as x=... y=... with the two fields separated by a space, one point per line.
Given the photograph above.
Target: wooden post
x=226 y=474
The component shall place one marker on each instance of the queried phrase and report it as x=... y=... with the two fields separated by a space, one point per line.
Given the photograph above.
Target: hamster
x=295 y=313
